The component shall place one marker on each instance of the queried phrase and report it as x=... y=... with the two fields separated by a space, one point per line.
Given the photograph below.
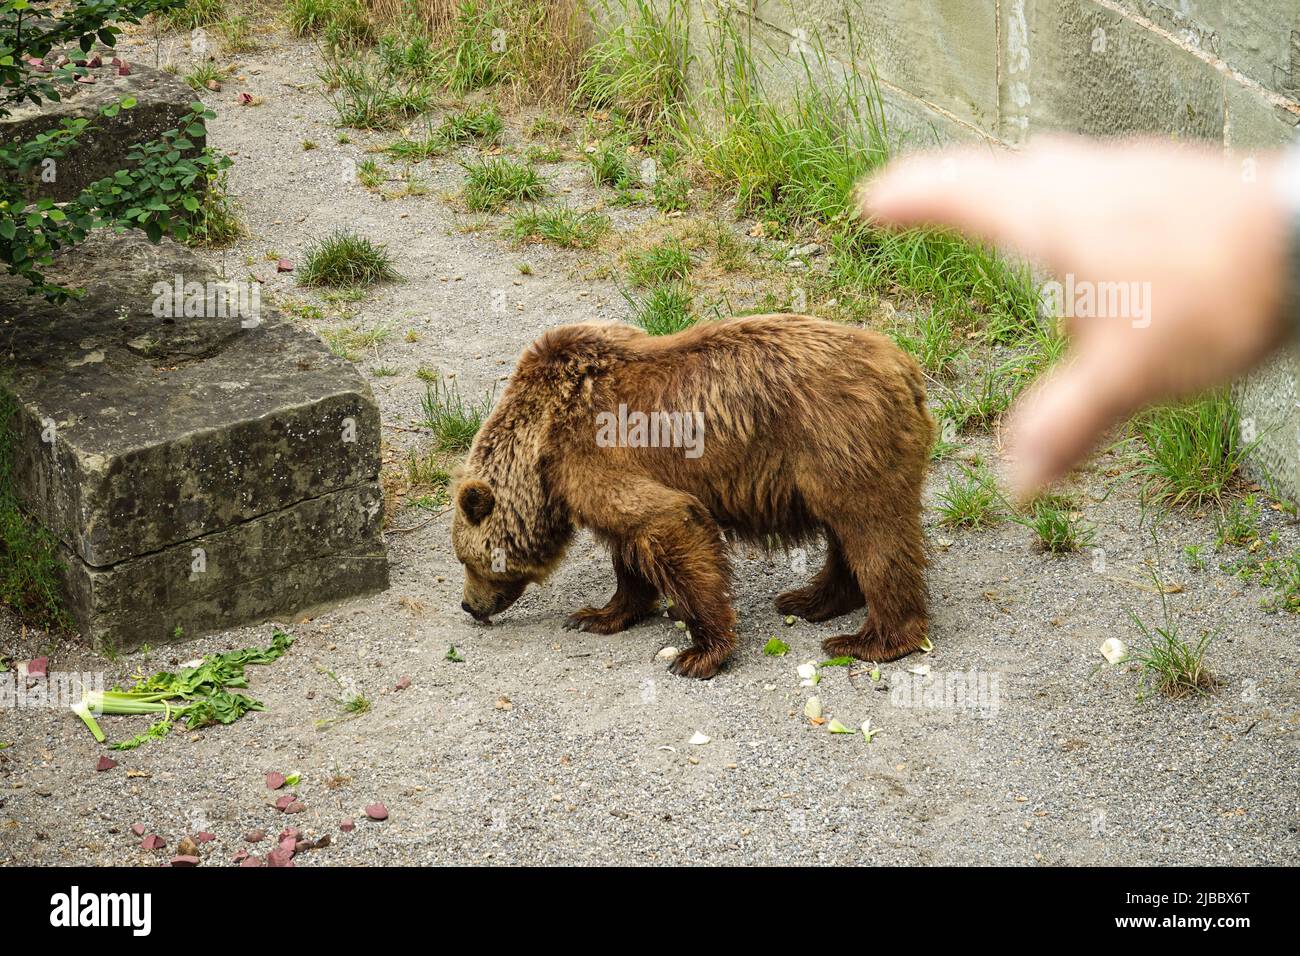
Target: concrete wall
x=1003 y=71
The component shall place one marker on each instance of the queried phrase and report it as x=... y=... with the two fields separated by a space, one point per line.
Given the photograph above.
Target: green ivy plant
x=160 y=190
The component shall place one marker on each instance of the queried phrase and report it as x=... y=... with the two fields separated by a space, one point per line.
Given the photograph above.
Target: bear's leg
x=887 y=558
x=670 y=539
x=832 y=591
x=634 y=599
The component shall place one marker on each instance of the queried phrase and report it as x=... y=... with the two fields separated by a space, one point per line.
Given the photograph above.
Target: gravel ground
x=548 y=746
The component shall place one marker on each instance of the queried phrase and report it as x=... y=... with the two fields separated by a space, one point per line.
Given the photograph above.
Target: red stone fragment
x=185 y=861
x=347 y=826
x=274 y=780
x=153 y=842
x=105 y=763
x=377 y=811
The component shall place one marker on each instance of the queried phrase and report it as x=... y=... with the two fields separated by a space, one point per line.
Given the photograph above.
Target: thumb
x=1062 y=418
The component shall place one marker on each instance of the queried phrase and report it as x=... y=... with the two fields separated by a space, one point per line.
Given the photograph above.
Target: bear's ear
x=475 y=500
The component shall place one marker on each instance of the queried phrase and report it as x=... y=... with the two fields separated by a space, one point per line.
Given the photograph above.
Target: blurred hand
x=1205 y=234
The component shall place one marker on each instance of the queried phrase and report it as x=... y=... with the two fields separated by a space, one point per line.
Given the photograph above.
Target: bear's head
x=501 y=555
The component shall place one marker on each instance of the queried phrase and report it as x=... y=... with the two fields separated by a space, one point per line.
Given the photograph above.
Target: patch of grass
x=1168 y=663
x=1281 y=574
x=482 y=123
x=1238 y=525
x=370 y=175
x=31 y=572
x=664 y=310
x=236 y=32
x=337 y=22
x=471 y=63
x=217 y=221
x=206 y=72
x=560 y=225
x=796 y=160
x=639 y=68
x=543 y=155
x=475 y=123
x=610 y=166
x=672 y=193
x=344 y=342
x=365 y=93
x=663 y=262
x=453 y=419
x=978 y=404
x=493 y=184
x=1057 y=524
x=1189 y=453
x=546 y=127
x=344 y=259
x=970 y=501
x=193 y=13
x=932 y=339
x=428 y=472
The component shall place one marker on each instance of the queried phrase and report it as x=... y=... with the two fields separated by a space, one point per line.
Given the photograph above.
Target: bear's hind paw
x=700 y=664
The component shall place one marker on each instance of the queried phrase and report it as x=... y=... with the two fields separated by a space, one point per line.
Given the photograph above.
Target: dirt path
x=590 y=760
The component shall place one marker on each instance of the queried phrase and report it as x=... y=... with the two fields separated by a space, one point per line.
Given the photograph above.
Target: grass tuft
x=491 y=184
x=666 y=261
x=1190 y=453
x=639 y=68
x=664 y=310
x=453 y=419
x=344 y=259
x=970 y=501
x=559 y=225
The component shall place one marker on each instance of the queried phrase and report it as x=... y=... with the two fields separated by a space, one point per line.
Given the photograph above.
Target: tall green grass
x=1188 y=453
x=799 y=162
x=639 y=67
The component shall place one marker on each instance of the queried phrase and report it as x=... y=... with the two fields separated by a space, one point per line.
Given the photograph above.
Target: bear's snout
x=480 y=616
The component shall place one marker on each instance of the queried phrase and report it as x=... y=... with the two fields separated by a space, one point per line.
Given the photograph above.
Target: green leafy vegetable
x=776 y=648
x=197 y=695
x=454 y=655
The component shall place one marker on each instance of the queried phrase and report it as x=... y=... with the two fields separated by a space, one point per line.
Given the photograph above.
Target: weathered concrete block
x=200 y=470
x=1257 y=39
x=1076 y=66
x=943 y=53
x=162 y=101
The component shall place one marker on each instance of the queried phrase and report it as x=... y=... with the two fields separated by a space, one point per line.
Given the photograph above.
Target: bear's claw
x=815 y=605
x=601 y=620
x=693 y=662
x=874 y=646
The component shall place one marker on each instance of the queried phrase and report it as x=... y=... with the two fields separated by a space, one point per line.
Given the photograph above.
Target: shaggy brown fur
x=808 y=428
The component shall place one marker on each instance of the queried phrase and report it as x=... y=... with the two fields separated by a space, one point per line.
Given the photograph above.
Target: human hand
x=1196 y=233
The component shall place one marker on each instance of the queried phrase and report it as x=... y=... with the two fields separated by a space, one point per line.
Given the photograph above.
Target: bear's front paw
x=693 y=662
x=601 y=620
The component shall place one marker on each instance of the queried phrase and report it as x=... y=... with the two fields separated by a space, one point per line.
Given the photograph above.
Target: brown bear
x=768 y=428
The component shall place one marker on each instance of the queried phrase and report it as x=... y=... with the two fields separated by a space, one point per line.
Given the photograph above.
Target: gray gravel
x=590 y=761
